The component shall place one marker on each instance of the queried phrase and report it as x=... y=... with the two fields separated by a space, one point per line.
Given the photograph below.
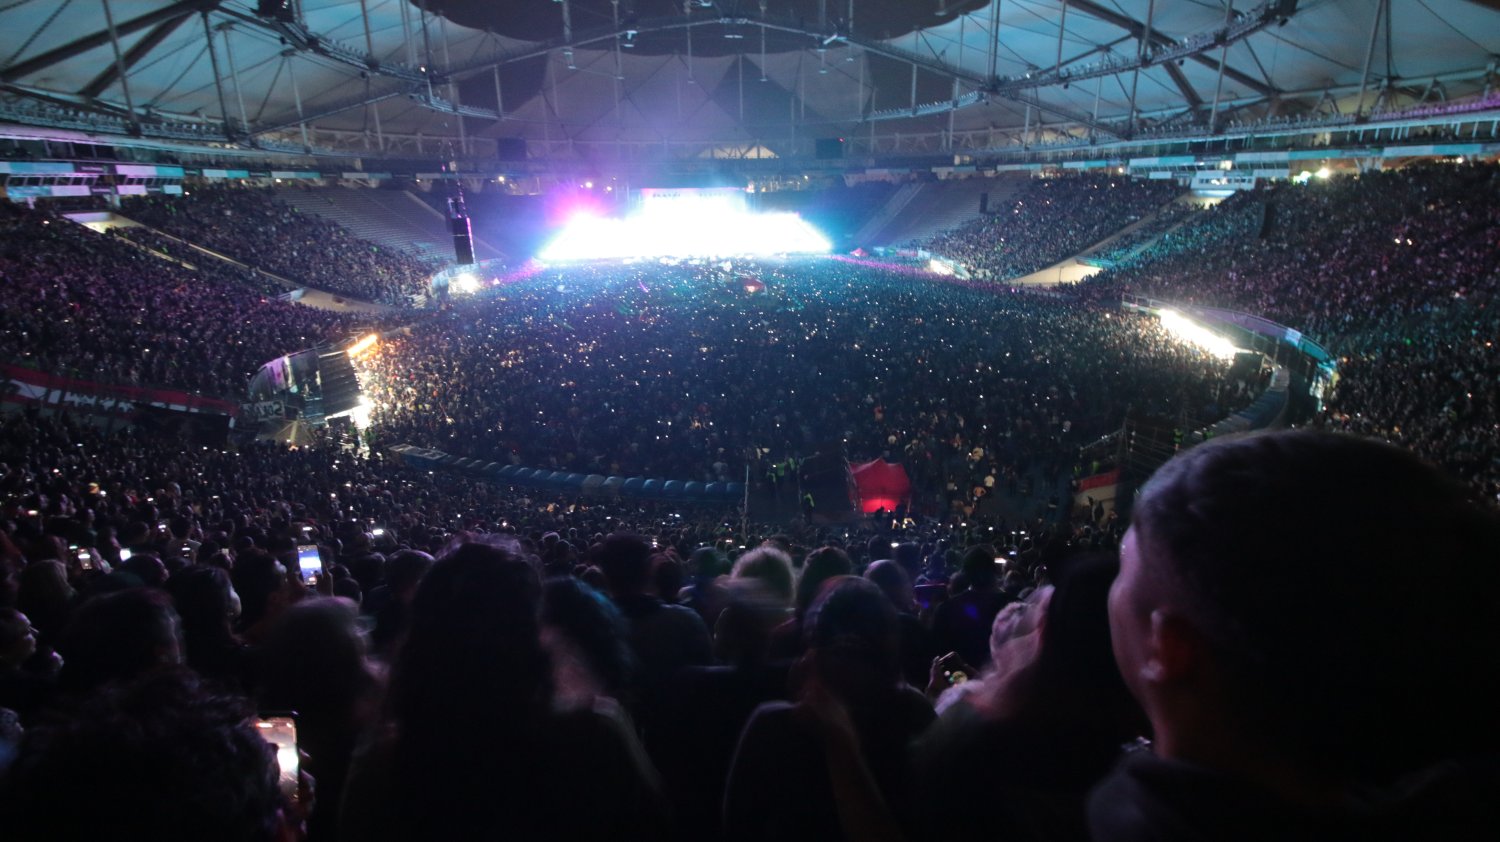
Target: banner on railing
x=28 y=386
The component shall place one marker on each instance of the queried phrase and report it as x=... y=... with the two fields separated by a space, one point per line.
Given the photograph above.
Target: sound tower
x=458 y=224
x=984 y=203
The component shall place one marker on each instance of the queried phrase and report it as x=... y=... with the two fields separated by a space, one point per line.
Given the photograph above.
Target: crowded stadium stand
x=254 y=227
x=929 y=208
x=735 y=422
x=392 y=218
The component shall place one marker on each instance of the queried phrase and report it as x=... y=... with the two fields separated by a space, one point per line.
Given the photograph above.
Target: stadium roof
x=705 y=75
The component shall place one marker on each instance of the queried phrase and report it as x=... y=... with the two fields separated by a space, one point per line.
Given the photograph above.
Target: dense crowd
x=136 y=521
x=1049 y=220
x=100 y=309
x=253 y=227
x=467 y=660
x=466 y=664
x=176 y=249
x=1395 y=272
x=680 y=372
x=1129 y=245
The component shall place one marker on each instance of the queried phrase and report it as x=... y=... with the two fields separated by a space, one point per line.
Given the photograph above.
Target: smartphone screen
x=309 y=562
x=280 y=730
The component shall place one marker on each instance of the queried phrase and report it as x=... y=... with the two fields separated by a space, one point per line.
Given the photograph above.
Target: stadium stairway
x=944 y=205
x=881 y=218
x=393 y=218
x=1090 y=255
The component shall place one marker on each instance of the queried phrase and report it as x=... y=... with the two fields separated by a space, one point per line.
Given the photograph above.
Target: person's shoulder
x=604 y=716
x=915 y=707
x=681 y=615
x=775 y=715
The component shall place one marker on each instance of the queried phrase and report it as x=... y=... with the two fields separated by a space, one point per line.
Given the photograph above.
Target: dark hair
x=147 y=567
x=626 y=562
x=820 y=565
x=255 y=580
x=853 y=627
x=201 y=596
x=118 y=637
x=159 y=758
x=313 y=662
x=1294 y=554
x=470 y=687
x=472 y=654
x=908 y=554
x=979 y=566
x=666 y=577
x=888 y=575
x=707 y=563
x=592 y=623
x=1077 y=678
x=406 y=568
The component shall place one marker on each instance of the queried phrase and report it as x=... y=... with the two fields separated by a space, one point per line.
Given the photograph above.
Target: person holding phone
x=161 y=757
x=1029 y=736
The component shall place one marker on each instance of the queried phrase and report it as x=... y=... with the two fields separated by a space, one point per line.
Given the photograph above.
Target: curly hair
x=163 y=757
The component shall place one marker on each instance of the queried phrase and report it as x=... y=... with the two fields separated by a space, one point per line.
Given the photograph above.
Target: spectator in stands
x=665 y=638
x=96 y=308
x=1049 y=219
x=26 y=681
x=254 y=227
x=1391 y=270
x=313 y=662
x=119 y=637
x=788 y=640
x=962 y=624
x=589 y=641
x=1046 y=721
x=917 y=647
x=205 y=602
x=1296 y=682
x=476 y=749
x=390 y=603
x=786 y=779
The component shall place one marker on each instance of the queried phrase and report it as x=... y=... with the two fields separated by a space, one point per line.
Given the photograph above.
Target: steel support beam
x=288 y=121
x=100 y=38
x=114 y=40
x=1136 y=28
x=153 y=39
x=213 y=59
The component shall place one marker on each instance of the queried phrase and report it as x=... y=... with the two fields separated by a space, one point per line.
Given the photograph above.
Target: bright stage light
x=364 y=344
x=466 y=283
x=1191 y=332
x=698 y=227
